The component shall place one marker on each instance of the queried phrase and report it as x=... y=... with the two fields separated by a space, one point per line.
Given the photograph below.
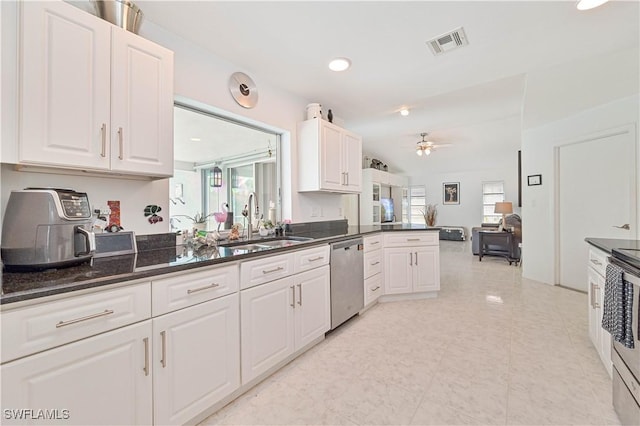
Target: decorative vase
x=200 y=226
x=330 y=116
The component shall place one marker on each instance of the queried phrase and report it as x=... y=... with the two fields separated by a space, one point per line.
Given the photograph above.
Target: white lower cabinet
x=411 y=263
x=312 y=306
x=196 y=359
x=600 y=338
x=105 y=379
x=267 y=326
x=281 y=317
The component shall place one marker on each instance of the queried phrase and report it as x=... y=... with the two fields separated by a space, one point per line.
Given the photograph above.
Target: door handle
x=146 y=356
x=625 y=226
x=410 y=259
x=103 y=129
x=120 y=144
x=293 y=296
x=163 y=360
x=416 y=258
x=300 y=294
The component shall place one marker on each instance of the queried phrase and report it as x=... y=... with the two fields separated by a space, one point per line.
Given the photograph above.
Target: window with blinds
x=414 y=200
x=492 y=193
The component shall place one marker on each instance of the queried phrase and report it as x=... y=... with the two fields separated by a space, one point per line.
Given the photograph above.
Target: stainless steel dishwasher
x=347 y=280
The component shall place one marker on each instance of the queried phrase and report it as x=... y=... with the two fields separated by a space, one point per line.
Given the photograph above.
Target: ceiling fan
x=425 y=147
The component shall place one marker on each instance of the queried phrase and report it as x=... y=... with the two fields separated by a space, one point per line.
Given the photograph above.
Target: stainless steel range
x=626 y=362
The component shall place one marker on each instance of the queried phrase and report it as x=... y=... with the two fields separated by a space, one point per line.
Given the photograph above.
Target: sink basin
x=265 y=244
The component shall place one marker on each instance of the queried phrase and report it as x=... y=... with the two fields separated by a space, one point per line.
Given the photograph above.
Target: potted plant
x=430 y=214
x=199 y=220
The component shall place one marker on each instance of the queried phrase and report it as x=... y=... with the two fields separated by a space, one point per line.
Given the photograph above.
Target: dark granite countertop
x=20 y=286
x=608 y=244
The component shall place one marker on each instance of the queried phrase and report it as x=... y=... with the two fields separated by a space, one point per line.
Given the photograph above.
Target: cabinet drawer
x=598 y=260
x=372 y=243
x=180 y=291
x=413 y=238
x=372 y=263
x=265 y=269
x=372 y=288
x=304 y=260
x=39 y=327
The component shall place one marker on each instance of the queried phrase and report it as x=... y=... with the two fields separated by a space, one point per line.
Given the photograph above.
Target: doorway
x=595 y=194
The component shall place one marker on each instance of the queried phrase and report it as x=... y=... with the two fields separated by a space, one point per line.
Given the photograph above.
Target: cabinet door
x=331 y=170
x=141 y=106
x=398 y=270
x=595 y=316
x=196 y=359
x=312 y=305
x=105 y=379
x=266 y=318
x=65 y=89
x=605 y=336
x=426 y=269
x=352 y=160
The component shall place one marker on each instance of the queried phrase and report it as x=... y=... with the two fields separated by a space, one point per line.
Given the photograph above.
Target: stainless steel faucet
x=252 y=196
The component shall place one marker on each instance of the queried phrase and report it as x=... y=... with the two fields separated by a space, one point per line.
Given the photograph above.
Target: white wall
x=469 y=212
x=561 y=103
x=538 y=158
x=199 y=76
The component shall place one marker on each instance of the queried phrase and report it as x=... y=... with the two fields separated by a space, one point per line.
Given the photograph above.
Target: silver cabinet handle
x=300 y=295
x=146 y=356
x=625 y=226
x=416 y=258
x=410 y=259
x=207 y=287
x=315 y=259
x=120 y=143
x=596 y=304
x=344 y=178
x=413 y=239
x=375 y=242
x=374 y=263
x=103 y=153
x=88 y=317
x=596 y=262
x=293 y=297
x=269 y=271
x=163 y=360
x=347 y=173
x=374 y=289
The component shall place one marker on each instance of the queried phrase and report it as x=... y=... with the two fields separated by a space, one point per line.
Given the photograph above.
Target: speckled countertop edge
x=74 y=285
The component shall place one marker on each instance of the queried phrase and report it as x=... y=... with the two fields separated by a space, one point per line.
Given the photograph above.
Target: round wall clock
x=243 y=89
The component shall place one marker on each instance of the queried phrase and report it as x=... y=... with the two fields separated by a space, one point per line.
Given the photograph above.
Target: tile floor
x=493 y=348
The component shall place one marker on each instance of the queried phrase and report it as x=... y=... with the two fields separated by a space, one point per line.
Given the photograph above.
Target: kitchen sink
x=265 y=244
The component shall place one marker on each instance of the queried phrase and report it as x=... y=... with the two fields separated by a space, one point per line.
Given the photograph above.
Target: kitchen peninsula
x=205 y=323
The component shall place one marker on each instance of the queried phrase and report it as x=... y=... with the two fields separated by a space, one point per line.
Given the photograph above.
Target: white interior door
x=596 y=193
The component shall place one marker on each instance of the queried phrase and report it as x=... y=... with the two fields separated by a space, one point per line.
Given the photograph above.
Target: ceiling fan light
x=427 y=151
x=590 y=4
x=404 y=112
x=419 y=152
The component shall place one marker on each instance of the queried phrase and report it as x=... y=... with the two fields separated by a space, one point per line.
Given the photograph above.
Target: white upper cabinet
x=329 y=158
x=92 y=96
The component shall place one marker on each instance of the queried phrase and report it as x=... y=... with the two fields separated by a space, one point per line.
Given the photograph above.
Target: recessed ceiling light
x=196 y=139
x=339 y=64
x=590 y=4
x=404 y=112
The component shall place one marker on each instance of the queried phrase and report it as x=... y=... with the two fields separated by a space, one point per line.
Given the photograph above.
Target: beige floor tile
x=492 y=348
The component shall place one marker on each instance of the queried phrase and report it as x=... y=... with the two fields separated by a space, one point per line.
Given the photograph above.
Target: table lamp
x=505 y=208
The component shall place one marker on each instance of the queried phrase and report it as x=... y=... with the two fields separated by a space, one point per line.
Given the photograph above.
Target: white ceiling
x=460 y=97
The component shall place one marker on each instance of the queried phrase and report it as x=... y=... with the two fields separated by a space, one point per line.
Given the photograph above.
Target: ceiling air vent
x=448 y=41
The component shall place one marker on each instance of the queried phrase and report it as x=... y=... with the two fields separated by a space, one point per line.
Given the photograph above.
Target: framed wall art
x=451 y=193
